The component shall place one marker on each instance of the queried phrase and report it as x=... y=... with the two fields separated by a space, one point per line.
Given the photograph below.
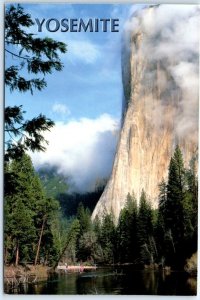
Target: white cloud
x=61 y=109
x=82 y=149
x=85 y=51
x=170 y=49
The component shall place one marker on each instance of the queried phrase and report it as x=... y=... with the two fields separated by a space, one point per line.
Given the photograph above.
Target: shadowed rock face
x=160 y=111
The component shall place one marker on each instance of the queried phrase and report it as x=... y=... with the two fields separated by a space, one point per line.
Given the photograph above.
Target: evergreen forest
x=38 y=231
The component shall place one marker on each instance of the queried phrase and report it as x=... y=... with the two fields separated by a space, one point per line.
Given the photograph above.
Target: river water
x=113 y=282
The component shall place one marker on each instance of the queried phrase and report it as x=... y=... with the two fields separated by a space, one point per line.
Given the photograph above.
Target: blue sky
x=90 y=83
x=84 y=99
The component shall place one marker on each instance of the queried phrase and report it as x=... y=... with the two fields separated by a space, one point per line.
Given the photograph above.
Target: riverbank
x=32 y=274
x=109 y=281
x=25 y=274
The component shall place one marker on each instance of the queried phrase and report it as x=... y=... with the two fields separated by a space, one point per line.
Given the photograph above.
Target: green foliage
x=36 y=55
x=87 y=238
x=145 y=220
x=88 y=246
x=27 y=212
x=192 y=182
x=53 y=183
x=175 y=195
x=59 y=228
x=177 y=217
x=143 y=235
x=21 y=221
x=84 y=218
x=69 y=202
x=145 y=230
x=28 y=132
x=108 y=238
x=57 y=186
x=24 y=195
x=126 y=231
x=69 y=250
x=33 y=56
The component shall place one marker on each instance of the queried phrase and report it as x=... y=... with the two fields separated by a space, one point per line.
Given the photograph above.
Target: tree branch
x=14 y=54
x=13 y=43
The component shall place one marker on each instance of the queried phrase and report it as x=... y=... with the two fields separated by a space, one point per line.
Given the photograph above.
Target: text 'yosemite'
x=78 y=25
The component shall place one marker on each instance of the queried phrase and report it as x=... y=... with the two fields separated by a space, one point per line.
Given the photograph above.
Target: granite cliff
x=160 y=105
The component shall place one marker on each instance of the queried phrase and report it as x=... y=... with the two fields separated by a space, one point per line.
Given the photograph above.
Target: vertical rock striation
x=160 y=106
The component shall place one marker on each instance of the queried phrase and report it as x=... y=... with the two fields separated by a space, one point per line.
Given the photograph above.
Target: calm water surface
x=108 y=281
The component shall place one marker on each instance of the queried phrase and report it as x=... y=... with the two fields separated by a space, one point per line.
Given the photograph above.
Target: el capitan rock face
x=160 y=107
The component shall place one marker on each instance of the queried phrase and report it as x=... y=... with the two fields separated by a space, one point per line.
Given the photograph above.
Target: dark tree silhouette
x=33 y=56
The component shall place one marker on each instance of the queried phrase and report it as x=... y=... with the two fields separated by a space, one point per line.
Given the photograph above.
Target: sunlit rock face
x=160 y=106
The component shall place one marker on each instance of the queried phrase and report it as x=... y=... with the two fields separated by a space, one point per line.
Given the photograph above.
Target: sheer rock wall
x=155 y=108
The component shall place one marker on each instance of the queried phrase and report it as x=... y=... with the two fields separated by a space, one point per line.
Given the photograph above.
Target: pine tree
x=45 y=212
x=107 y=239
x=97 y=230
x=133 y=219
x=192 y=181
x=22 y=230
x=127 y=231
x=175 y=195
x=176 y=208
x=160 y=230
x=31 y=55
x=25 y=197
x=59 y=227
x=84 y=217
x=145 y=231
x=123 y=238
x=88 y=249
x=70 y=246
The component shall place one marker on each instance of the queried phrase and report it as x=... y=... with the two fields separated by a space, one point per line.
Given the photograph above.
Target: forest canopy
x=166 y=236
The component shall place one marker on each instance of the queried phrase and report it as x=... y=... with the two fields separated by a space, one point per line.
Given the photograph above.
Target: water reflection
x=114 y=282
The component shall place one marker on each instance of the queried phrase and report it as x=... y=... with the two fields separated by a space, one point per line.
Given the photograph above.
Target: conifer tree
x=70 y=245
x=25 y=197
x=108 y=241
x=175 y=195
x=176 y=209
x=32 y=56
x=127 y=231
x=145 y=230
x=88 y=246
x=22 y=230
x=160 y=230
x=83 y=215
x=97 y=231
x=192 y=181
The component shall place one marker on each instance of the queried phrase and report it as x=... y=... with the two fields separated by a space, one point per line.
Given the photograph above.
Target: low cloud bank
x=170 y=47
x=81 y=149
